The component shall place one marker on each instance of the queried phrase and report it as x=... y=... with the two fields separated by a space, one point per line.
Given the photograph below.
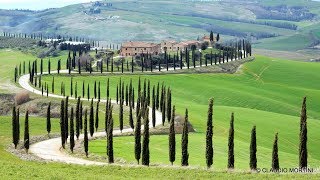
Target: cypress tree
x=49 y=67
x=169 y=105
x=275 y=157
x=48 y=118
x=76 y=91
x=108 y=89
x=15 y=140
x=99 y=92
x=121 y=115
x=253 y=150
x=71 y=130
x=138 y=106
x=303 y=152
x=52 y=85
x=18 y=124
x=184 y=142
x=231 y=144
x=78 y=118
x=131 y=117
x=41 y=66
x=97 y=117
x=157 y=97
x=88 y=92
x=172 y=139
x=127 y=95
x=137 y=137
x=209 y=146
x=148 y=93
x=117 y=94
x=91 y=119
x=86 y=140
x=83 y=89
x=153 y=107
x=62 y=126
x=26 y=133
x=95 y=90
x=71 y=87
x=146 y=136
x=66 y=121
x=110 y=137
x=80 y=122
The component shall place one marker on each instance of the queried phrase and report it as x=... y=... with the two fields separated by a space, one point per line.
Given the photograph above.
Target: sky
x=37 y=4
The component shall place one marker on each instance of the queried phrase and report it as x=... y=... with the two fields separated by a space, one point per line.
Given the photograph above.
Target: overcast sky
x=37 y=4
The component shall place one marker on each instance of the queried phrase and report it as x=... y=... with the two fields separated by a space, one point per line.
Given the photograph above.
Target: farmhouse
x=167 y=45
x=186 y=44
x=136 y=48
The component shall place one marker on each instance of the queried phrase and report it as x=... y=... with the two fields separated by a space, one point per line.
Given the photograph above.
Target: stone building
x=136 y=48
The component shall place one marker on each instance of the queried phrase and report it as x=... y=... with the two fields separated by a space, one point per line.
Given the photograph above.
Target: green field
x=266 y=92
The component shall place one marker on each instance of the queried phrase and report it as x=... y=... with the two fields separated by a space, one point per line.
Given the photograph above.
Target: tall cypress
x=169 y=104
x=145 y=143
x=26 y=132
x=97 y=117
x=88 y=92
x=121 y=115
x=303 y=152
x=231 y=144
x=62 y=124
x=209 y=146
x=91 y=119
x=71 y=130
x=131 y=117
x=108 y=89
x=110 y=137
x=184 y=142
x=153 y=107
x=18 y=124
x=85 y=127
x=78 y=118
x=172 y=139
x=137 y=137
x=95 y=90
x=253 y=150
x=15 y=140
x=99 y=93
x=275 y=158
x=66 y=121
x=157 y=97
x=48 y=118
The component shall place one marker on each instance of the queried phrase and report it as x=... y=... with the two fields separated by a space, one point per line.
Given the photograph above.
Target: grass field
x=266 y=93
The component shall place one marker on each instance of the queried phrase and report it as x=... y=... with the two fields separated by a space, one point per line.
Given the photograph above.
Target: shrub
x=22 y=97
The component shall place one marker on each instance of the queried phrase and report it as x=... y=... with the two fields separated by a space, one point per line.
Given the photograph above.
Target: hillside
x=294 y=26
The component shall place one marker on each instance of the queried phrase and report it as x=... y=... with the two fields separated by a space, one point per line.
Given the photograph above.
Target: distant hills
x=276 y=25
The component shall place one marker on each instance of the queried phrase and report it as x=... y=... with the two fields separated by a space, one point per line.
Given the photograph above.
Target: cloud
x=37 y=4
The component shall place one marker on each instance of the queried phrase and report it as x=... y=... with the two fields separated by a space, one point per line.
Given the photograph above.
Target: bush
x=22 y=97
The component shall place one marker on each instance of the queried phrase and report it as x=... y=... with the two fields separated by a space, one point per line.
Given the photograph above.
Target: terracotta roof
x=139 y=44
x=186 y=43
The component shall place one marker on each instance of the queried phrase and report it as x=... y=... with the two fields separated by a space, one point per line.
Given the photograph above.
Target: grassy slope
x=267 y=93
x=12 y=167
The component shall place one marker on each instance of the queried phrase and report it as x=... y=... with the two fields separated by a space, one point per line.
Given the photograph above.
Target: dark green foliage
x=88 y=92
x=184 y=142
x=163 y=105
x=48 y=118
x=62 y=124
x=209 y=146
x=137 y=137
x=15 y=131
x=169 y=104
x=26 y=132
x=145 y=143
x=78 y=118
x=91 y=119
x=97 y=117
x=253 y=149
x=231 y=144
x=85 y=128
x=18 y=124
x=275 y=158
x=121 y=115
x=95 y=90
x=131 y=117
x=66 y=121
x=157 y=97
x=172 y=138
x=303 y=151
x=108 y=89
x=71 y=130
x=153 y=107
x=110 y=137
x=99 y=91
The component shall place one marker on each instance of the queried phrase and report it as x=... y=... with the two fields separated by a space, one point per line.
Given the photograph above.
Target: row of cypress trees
x=275 y=165
x=16 y=129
